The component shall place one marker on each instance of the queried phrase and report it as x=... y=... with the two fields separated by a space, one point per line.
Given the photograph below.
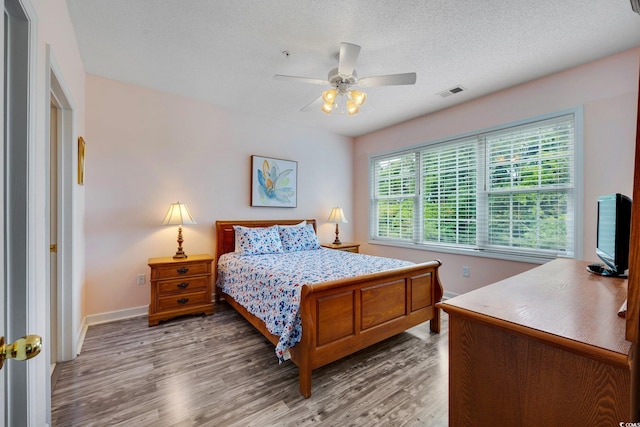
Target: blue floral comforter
x=269 y=286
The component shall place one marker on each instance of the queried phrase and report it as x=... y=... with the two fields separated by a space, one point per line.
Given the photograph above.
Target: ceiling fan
x=343 y=78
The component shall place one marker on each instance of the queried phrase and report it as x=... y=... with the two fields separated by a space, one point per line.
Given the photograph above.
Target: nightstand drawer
x=188 y=284
x=175 y=271
x=183 y=300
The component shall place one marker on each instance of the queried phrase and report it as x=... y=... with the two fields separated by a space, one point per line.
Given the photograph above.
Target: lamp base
x=337 y=241
x=180 y=253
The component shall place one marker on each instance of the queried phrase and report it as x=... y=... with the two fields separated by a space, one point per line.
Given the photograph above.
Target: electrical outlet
x=141 y=279
x=466 y=271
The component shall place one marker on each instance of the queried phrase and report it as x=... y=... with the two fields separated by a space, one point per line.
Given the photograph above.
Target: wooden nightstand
x=180 y=286
x=344 y=246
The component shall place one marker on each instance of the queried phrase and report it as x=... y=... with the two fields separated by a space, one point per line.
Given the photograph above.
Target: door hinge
x=53 y=248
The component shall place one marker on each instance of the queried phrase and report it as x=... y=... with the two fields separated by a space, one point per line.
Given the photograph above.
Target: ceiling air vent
x=451 y=91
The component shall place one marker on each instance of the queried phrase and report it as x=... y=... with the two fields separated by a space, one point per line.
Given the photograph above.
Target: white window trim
x=578 y=113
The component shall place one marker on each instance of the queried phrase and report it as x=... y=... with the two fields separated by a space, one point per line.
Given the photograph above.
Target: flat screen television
x=613 y=233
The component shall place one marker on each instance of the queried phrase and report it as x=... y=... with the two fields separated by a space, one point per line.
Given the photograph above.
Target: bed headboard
x=226 y=238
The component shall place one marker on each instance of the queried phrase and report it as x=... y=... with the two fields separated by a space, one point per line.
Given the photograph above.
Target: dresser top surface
x=171 y=260
x=560 y=298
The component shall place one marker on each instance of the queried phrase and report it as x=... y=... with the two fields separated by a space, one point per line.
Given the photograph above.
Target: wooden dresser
x=545 y=347
x=180 y=286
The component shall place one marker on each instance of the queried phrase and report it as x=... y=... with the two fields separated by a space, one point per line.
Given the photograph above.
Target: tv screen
x=613 y=233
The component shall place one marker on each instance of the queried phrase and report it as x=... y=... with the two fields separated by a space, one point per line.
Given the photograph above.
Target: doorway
x=59 y=204
x=53 y=240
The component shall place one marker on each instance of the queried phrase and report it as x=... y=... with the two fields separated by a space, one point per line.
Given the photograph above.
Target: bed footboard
x=343 y=316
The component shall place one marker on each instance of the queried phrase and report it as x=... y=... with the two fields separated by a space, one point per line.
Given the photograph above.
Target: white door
x=17 y=112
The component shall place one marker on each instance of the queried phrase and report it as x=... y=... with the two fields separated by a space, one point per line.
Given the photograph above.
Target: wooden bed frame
x=343 y=316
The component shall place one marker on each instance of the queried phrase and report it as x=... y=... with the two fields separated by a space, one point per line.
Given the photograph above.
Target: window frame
x=509 y=254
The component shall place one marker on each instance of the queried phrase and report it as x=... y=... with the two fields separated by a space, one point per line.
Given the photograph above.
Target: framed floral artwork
x=274 y=182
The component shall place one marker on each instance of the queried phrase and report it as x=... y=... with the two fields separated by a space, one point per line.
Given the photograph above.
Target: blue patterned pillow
x=257 y=240
x=298 y=238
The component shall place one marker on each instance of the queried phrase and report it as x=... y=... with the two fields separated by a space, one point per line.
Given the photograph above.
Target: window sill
x=523 y=257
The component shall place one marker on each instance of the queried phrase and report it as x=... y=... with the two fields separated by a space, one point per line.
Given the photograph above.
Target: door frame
x=56 y=88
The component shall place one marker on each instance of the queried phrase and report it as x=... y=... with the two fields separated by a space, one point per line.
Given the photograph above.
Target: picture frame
x=81 y=154
x=274 y=182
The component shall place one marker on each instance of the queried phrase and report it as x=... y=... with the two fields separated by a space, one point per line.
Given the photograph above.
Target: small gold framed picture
x=81 y=148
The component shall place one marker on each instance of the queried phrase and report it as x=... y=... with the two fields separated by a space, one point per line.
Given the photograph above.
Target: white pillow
x=300 y=224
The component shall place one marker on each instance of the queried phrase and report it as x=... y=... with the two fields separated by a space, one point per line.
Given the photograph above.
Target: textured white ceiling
x=226 y=52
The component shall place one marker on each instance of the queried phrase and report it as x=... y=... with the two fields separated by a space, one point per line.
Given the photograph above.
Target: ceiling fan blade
x=315 y=104
x=388 y=80
x=347 y=58
x=300 y=79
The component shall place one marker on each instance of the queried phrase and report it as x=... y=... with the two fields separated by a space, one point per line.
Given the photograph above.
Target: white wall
x=147 y=149
x=55 y=33
x=608 y=91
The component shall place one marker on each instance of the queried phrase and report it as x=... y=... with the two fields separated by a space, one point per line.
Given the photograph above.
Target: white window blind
x=394 y=196
x=449 y=183
x=530 y=182
x=511 y=190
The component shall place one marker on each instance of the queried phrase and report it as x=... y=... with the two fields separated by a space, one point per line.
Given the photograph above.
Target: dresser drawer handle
x=183 y=285
x=183 y=300
x=182 y=270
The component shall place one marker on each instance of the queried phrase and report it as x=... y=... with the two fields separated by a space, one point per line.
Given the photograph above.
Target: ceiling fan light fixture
x=358 y=97
x=327 y=107
x=352 y=108
x=329 y=96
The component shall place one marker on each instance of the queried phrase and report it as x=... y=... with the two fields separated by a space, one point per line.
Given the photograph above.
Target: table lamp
x=337 y=216
x=178 y=214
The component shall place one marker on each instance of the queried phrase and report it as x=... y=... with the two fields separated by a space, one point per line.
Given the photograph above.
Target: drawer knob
x=183 y=285
x=183 y=300
x=182 y=270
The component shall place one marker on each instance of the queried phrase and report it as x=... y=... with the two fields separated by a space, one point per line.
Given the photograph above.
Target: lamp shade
x=337 y=216
x=178 y=214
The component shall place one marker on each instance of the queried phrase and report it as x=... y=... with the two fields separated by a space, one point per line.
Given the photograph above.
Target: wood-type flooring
x=219 y=371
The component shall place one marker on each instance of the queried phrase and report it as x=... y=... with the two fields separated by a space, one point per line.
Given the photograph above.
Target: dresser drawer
x=186 y=285
x=183 y=300
x=175 y=271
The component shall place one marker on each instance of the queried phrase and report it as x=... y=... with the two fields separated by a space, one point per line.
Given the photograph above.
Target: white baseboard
x=81 y=335
x=448 y=295
x=111 y=316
